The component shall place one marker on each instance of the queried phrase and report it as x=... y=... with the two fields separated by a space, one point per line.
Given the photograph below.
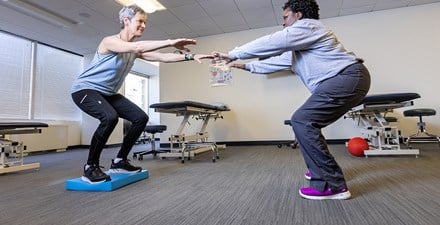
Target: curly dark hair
x=308 y=8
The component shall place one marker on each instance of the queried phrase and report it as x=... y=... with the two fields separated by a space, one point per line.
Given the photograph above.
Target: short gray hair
x=129 y=12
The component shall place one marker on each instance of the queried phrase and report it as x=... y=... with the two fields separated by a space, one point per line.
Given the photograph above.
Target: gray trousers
x=331 y=100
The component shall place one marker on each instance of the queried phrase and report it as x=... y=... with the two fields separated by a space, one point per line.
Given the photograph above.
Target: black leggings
x=108 y=109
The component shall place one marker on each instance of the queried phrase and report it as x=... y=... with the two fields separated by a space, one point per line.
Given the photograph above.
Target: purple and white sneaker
x=313 y=194
x=308 y=176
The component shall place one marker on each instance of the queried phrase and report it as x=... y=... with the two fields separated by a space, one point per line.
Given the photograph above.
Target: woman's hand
x=180 y=43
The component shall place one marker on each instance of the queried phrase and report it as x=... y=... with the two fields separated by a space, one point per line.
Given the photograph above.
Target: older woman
x=95 y=90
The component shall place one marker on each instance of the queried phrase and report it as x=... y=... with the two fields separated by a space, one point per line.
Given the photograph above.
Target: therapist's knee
x=299 y=119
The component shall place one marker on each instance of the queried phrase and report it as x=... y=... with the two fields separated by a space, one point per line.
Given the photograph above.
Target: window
x=55 y=73
x=136 y=89
x=36 y=80
x=15 y=76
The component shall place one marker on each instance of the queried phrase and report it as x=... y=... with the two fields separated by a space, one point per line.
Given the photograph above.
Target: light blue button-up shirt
x=307 y=47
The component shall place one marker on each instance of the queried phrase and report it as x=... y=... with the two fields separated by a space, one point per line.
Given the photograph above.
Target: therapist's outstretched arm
x=239 y=66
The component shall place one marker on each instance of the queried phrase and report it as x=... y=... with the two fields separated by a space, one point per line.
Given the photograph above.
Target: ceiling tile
x=175 y=28
x=162 y=17
x=261 y=24
x=201 y=24
x=252 y=4
x=328 y=14
x=259 y=16
x=330 y=5
x=189 y=12
x=228 y=20
x=185 y=35
x=278 y=2
x=176 y=3
x=421 y=2
x=357 y=4
x=216 y=7
x=106 y=8
x=26 y=23
x=356 y=10
x=235 y=28
x=328 y=9
x=390 y=4
x=209 y=31
x=55 y=6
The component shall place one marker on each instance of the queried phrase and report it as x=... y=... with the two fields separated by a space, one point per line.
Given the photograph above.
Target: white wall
x=400 y=48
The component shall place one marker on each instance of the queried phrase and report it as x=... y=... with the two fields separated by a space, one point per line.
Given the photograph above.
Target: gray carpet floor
x=247 y=185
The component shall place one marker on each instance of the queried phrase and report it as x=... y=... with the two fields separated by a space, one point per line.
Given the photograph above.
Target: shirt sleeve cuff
x=248 y=67
x=233 y=55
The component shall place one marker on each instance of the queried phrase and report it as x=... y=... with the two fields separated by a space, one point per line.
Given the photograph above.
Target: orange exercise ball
x=357 y=145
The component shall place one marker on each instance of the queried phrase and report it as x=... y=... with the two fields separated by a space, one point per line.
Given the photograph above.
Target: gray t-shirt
x=106 y=73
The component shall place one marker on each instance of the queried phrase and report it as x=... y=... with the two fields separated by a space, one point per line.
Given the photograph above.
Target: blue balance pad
x=118 y=181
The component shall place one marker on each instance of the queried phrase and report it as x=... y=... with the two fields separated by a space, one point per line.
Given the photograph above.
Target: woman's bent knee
x=110 y=120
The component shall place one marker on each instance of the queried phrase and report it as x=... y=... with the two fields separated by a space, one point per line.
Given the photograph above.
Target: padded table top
x=15 y=125
x=183 y=104
x=389 y=98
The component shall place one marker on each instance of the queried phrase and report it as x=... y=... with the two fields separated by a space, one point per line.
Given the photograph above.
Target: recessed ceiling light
x=149 y=6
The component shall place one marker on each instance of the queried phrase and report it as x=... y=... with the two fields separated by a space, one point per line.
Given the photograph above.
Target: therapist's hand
x=238 y=65
x=221 y=55
x=199 y=57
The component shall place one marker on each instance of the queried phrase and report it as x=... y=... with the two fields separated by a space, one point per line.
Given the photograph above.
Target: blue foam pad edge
x=118 y=181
